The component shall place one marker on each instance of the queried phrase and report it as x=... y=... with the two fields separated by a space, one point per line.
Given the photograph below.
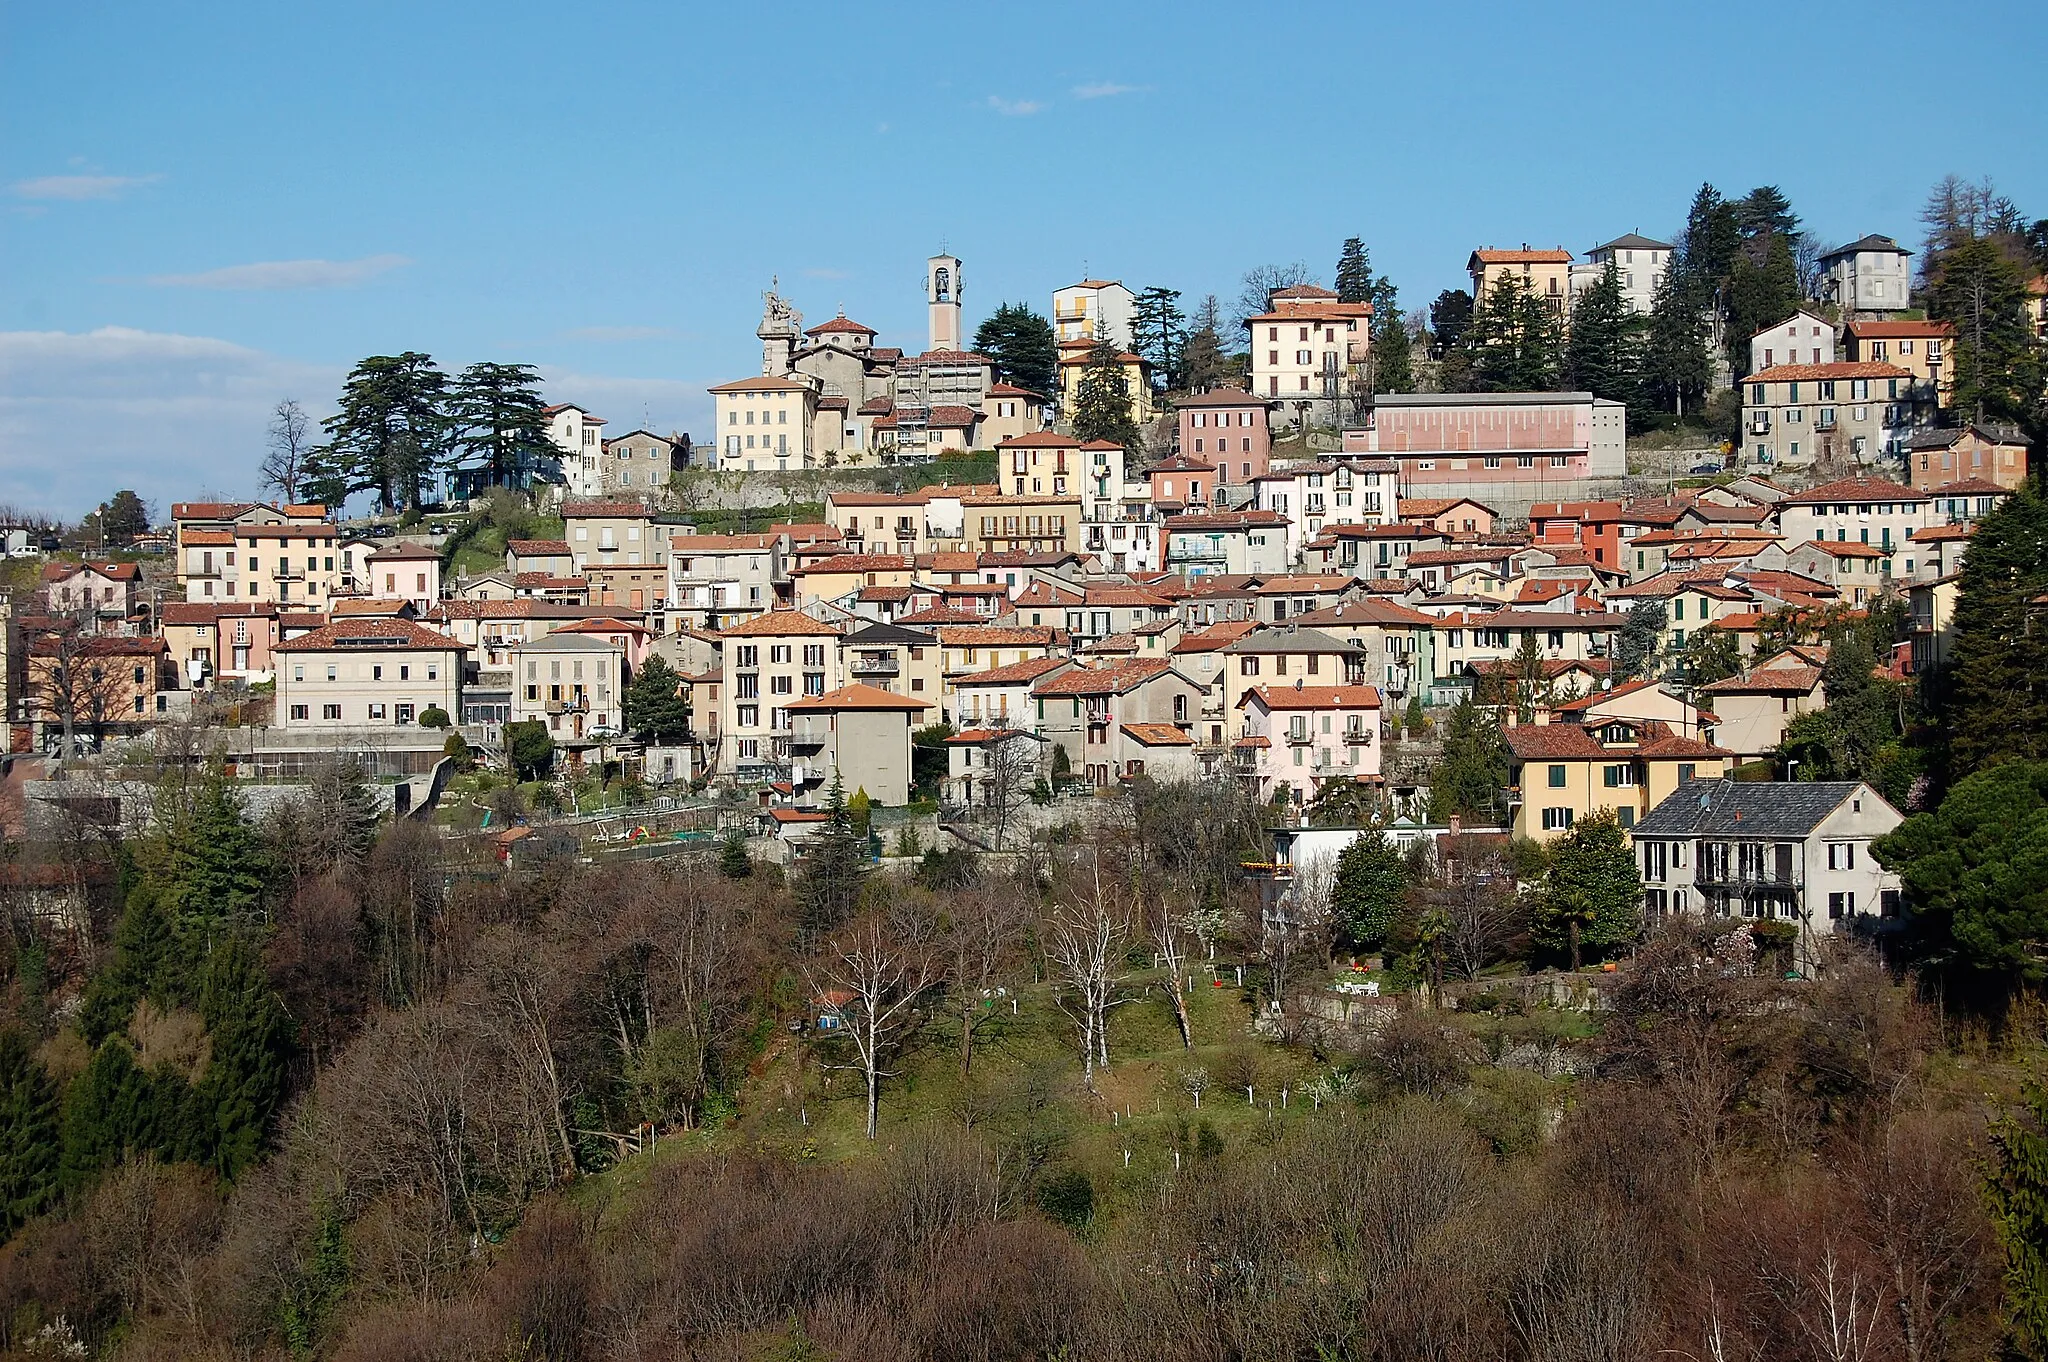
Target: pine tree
x=1102 y=400
x=29 y=1133
x=1354 y=272
x=1677 y=360
x=1635 y=647
x=1159 y=333
x=215 y=867
x=134 y=968
x=1982 y=293
x=501 y=423
x=1765 y=211
x=1393 y=354
x=1592 y=892
x=1449 y=317
x=1514 y=343
x=655 y=709
x=833 y=867
x=390 y=436
x=1371 y=886
x=1204 y=361
x=109 y=1111
x=1022 y=344
x=347 y=809
x=1707 y=249
x=1994 y=700
x=250 y=1040
x=733 y=861
x=1760 y=294
x=1604 y=355
x=1471 y=768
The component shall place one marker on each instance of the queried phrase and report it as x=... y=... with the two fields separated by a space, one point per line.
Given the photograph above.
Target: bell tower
x=942 y=297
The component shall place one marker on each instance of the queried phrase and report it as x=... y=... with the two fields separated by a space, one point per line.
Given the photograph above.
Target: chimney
x=1456 y=824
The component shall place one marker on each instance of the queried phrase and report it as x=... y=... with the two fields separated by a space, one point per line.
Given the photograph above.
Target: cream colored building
x=765 y=424
x=573 y=683
x=367 y=673
x=1546 y=274
x=1094 y=309
x=770 y=662
x=579 y=438
x=1308 y=352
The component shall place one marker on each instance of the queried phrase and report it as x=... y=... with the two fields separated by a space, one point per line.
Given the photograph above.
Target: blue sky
x=205 y=208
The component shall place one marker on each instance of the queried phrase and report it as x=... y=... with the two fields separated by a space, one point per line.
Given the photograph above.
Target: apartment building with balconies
x=573 y=683
x=1296 y=739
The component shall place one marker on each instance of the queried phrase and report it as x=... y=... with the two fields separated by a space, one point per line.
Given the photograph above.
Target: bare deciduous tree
x=289 y=435
x=978 y=934
x=1471 y=888
x=1085 y=935
x=875 y=975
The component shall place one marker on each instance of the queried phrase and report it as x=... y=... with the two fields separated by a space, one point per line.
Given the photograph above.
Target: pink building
x=1299 y=738
x=1513 y=440
x=1182 y=483
x=1227 y=427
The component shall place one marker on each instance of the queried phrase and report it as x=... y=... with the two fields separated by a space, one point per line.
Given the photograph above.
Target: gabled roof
x=1313 y=697
x=1855 y=489
x=1040 y=439
x=393 y=632
x=1876 y=330
x=1289 y=639
x=1157 y=735
x=1015 y=674
x=778 y=623
x=840 y=324
x=1111 y=679
x=861 y=696
x=877 y=635
x=1487 y=255
x=1750 y=808
x=1795 y=373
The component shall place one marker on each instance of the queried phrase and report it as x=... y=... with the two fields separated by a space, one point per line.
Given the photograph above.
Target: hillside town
x=1278 y=577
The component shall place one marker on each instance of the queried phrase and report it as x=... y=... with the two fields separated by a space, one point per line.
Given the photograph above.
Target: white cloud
x=1105 y=90
x=617 y=333
x=285 y=274
x=74 y=188
x=1014 y=108
x=82 y=414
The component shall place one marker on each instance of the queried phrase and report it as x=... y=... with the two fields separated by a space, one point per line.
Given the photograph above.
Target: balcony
x=876 y=664
x=807 y=737
x=1357 y=737
x=1299 y=737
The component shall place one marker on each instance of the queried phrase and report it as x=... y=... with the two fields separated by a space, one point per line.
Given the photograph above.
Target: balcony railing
x=883 y=665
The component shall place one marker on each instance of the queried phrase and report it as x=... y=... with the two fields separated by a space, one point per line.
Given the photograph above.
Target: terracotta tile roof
x=1044 y=593
x=859 y=696
x=366 y=607
x=210 y=510
x=1000 y=636
x=1453 y=557
x=780 y=623
x=1016 y=673
x=1768 y=681
x=884 y=593
x=405 y=553
x=876 y=406
x=977 y=737
x=1835 y=550
x=942 y=614
x=1354 y=613
x=1800 y=373
x=1855 y=489
x=113 y=572
x=1428 y=507
x=760 y=383
x=1313 y=697
x=1586 y=512
x=1940 y=534
x=1012 y=390
x=207 y=538
x=1487 y=255
x=1126 y=597
x=367 y=633
x=1315 y=312
x=858 y=562
x=1158 y=735
x=1971 y=487
x=1311 y=291
x=1227 y=520
x=549 y=579
x=539 y=548
x=1040 y=439
x=718 y=543
x=207 y=612
x=1875 y=330
x=1216 y=637
x=840 y=324
x=1222 y=397
x=1109 y=679
x=946 y=357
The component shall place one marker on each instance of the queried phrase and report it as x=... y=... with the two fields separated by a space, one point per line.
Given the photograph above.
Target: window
x=1841 y=906
x=330 y=711
x=1841 y=855
x=1557 y=777
x=1556 y=820
x=301 y=712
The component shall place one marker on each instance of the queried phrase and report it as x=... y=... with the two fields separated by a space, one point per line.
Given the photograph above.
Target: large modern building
x=1508 y=450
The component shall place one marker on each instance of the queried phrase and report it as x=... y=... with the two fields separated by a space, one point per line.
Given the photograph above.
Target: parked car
x=1705 y=468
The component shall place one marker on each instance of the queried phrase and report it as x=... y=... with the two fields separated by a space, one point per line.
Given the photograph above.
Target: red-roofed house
x=770 y=662
x=1798 y=415
x=367 y=673
x=1086 y=709
x=1314 y=735
x=1547 y=274
x=1935 y=458
x=1560 y=773
x=861 y=732
x=1754 y=708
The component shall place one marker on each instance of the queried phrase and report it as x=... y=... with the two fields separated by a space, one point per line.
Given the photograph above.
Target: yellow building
x=1547 y=274
x=1074 y=357
x=1560 y=773
x=1029 y=524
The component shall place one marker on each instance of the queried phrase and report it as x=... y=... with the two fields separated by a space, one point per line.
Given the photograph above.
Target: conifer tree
x=1604 y=355
x=733 y=861
x=1677 y=359
x=1354 y=272
x=140 y=951
x=833 y=867
x=1994 y=703
x=655 y=709
x=1759 y=294
x=110 y=1110
x=29 y=1133
x=1981 y=291
x=1159 y=332
x=1514 y=343
x=500 y=422
x=1102 y=401
x=1471 y=767
x=1023 y=346
x=250 y=1040
x=390 y=436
